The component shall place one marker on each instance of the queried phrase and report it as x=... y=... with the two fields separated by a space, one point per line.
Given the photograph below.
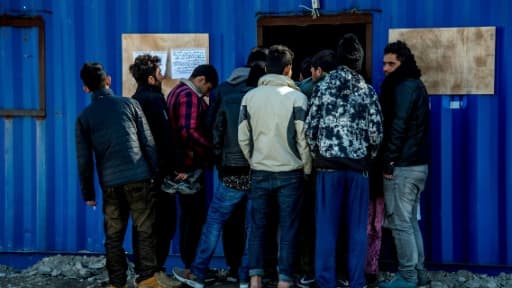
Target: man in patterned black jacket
x=343 y=129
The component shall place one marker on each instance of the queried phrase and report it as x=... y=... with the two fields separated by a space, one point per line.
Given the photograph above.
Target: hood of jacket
x=238 y=75
x=277 y=80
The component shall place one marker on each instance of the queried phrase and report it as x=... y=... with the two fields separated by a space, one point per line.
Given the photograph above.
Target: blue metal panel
x=466 y=209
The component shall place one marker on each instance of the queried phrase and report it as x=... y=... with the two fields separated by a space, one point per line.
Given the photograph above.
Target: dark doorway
x=306 y=36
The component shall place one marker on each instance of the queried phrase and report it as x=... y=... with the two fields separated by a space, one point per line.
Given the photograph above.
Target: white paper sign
x=161 y=54
x=184 y=60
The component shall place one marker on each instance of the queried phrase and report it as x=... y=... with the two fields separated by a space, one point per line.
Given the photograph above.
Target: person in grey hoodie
x=228 y=158
x=271 y=136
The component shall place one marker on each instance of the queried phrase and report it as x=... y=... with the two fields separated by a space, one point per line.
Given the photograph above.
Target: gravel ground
x=89 y=272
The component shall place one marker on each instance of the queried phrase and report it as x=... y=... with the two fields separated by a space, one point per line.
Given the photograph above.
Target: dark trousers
x=287 y=187
x=192 y=217
x=118 y=202
x=165 y=225
x=341 y=200
x=234 y=236
x=307 y=230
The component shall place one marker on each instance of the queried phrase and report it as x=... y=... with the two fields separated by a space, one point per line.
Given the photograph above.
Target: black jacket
x=115 y=131
x=227 y=152
x=405 y=107
x=154 y=106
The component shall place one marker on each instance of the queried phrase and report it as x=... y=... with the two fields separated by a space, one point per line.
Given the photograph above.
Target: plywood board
x=453 y=60
x=183 y=50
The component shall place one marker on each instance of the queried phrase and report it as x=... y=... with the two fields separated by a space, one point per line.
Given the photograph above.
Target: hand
x=181 y=176
x=91 y=203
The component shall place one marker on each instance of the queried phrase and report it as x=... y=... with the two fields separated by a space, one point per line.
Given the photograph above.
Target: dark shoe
x=114 y=286
x=397 y=282
x=186 y=276
x=306 y=281
x=372 y=281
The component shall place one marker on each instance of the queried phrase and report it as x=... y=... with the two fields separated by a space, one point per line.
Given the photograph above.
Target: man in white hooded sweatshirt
x=271 y=136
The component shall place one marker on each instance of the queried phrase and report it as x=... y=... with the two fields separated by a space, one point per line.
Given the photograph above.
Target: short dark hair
x=258 y=69
x=144 y=66
x=305 y=68
x=325 y=59
x=93 y=75
x=279 y=56
x=257 y=54
x=209 y=72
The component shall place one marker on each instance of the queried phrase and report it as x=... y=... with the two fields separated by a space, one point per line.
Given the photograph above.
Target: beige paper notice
x=156 y=44
x=453 y=60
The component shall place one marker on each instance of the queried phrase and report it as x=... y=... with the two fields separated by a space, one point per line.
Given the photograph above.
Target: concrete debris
x=89 y=272
x=65 y=271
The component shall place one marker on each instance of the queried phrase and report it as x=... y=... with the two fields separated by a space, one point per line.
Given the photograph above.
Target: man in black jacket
x=404 y=156
x=112 y=131
x=146 y=72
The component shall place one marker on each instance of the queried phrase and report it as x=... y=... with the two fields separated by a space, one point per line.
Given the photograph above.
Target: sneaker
x=186 y=276
x=306 y=281
x=161 y=277
x=168 y=185
x=397 y=282
x=244 y=285
x=342 y=284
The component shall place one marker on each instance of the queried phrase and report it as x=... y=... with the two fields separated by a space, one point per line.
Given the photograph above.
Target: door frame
x=336 y=19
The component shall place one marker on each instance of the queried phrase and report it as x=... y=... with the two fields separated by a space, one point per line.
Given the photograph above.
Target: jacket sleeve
x=244 y=131
x=403 y=104
x=218 y=132
x=300 y=108
x=155 y=111
x=190 y=123
x=313 y=120
x=146 y=142
x=375 y=129
x=85 y=161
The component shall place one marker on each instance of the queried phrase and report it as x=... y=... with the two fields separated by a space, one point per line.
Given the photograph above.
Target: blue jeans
x=222 y=206
x=286 y=189
x=402 y=197
x=342 y=199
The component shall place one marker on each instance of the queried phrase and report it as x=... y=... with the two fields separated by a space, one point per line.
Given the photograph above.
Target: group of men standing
x=275 y=149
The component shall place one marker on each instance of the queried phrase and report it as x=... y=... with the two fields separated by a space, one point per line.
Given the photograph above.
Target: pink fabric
x=374 y=230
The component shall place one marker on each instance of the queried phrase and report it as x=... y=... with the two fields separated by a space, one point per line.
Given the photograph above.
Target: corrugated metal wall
x=467 y=212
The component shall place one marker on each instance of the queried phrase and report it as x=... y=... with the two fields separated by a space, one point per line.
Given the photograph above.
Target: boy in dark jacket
x=112 y=131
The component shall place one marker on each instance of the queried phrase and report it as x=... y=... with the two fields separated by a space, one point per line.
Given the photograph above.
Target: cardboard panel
x=182 y=51
x=453 y=60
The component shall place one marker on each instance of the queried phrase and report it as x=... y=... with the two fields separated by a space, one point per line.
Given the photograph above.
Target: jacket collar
x=149 y=88
x=277 y=80
x=98 y=94
x=192 y=86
